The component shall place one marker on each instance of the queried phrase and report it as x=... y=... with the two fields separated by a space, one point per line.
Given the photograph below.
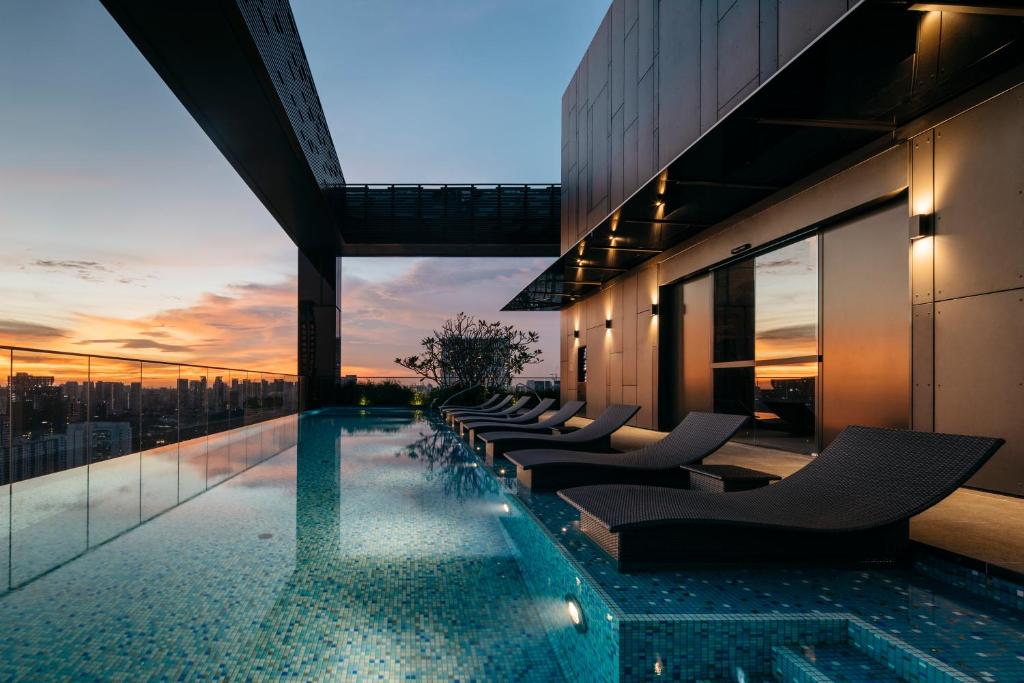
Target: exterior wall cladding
x=923 y=334
x=272 y=25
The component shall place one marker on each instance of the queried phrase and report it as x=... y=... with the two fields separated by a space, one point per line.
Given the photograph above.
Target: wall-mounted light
x=575 y=334
x=654 y=309
x=575 y=611
x=920 y=225
x=659 y=201
x=608 y=324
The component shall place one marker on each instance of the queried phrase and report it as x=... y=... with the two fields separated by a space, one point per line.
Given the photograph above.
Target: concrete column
x=319 y=328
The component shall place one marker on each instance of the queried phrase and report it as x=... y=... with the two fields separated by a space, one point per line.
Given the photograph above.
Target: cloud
x=90 y=271
x=19 y=329
x=385 y=317
x=246 y=325
x=387 y=308
x=808 y=331
x=141 y=344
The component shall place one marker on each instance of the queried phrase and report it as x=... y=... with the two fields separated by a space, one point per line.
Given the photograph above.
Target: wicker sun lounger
x=554 y=421
x=493 y=410
x=596 y=436
x=529 y=417
x=509 y=411
x=695 y=438
x=481 y=406
x=852 y=502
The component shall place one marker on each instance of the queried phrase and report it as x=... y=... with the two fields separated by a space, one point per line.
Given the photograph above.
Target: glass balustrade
x=91 y=446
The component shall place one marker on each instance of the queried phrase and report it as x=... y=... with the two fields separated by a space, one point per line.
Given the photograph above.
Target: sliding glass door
x=765 y=361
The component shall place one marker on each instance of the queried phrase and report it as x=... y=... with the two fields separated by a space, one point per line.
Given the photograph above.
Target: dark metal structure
x=853 y=92
x=447 y=220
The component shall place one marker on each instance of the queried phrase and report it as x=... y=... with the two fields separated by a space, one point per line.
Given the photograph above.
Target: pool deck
x=912 y=621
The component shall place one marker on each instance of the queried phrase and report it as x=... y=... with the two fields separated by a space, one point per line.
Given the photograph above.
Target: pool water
x=381 y=548
x=371 y=551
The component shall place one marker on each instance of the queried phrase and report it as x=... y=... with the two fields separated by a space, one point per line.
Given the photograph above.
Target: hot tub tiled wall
x=716 y=647
x=907 y=662
x=589 y=656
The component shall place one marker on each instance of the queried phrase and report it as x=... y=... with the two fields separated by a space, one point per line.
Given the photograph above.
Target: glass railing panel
x=5 y=477
x=237 y=442
x=115 y=493
x=193 y=393
x=253 y=417
x=47 y=461
x=161 y=390
x=219 y=403
x=281 y=424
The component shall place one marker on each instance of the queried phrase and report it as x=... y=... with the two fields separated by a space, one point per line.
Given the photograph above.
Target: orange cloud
x=249 y=326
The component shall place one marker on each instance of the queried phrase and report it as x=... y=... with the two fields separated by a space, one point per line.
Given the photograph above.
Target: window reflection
x=734 y=312
x=786 y=296
x=766 y=345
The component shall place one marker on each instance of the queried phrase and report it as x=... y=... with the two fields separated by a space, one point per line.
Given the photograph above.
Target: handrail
x=79 y=354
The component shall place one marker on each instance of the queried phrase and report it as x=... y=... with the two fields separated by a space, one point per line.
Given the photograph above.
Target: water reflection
x=446 y=457
x=386 y=579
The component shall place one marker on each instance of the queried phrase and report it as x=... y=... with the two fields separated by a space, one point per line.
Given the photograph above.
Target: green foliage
x=467 y=352
x=378 y=394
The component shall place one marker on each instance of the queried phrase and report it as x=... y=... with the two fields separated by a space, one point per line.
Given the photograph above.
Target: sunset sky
x=124 y=231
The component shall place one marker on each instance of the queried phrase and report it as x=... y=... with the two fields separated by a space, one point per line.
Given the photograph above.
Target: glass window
x=734 y=312
x=766 y=345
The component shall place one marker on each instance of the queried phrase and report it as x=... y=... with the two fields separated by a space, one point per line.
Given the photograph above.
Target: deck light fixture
x=608 y=324
x=576 y=616
x=920 y=225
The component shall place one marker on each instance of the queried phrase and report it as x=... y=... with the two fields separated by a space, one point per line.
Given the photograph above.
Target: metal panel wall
x=657 y=74
x=801 y=22
x=865 y=323
x=678 y=78
x=979 y=199
x=977 y=253
x=697 y=334
x=979 y=379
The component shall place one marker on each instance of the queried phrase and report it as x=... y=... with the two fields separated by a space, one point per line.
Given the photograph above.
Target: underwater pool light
x=576 y=616
x=505 y=508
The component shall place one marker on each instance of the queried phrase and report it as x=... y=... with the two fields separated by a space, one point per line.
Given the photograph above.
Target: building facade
x=884 y=288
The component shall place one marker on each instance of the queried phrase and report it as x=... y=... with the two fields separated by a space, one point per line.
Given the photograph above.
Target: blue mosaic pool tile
x=987 y=581
x=791 y=665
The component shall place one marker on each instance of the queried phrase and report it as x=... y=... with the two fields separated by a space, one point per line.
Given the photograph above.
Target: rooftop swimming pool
x=381 y=548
